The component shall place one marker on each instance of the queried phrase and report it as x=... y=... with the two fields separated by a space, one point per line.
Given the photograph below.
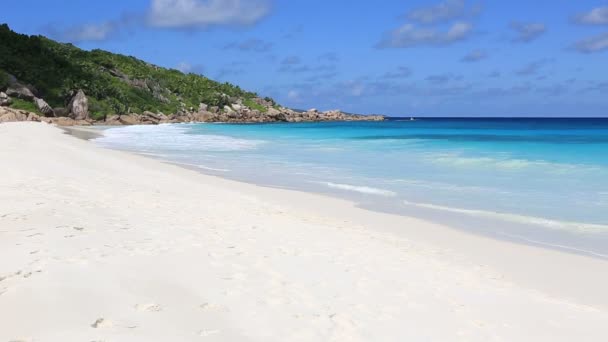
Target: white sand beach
x=103 y=245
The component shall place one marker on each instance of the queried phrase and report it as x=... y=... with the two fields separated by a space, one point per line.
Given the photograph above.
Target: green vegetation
x=24 y=105
x=3 y=79
x=254 y=105
x=113 y=83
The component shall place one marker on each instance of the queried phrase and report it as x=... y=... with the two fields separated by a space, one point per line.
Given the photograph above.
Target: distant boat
x=412 y=119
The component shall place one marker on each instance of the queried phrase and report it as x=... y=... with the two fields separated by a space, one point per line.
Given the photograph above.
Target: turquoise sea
x=535 y=181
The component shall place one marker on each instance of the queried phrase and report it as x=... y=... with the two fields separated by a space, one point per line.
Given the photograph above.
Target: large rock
x=150 y=116
x=273 y=111
x=79 y=106
x=18 y=90
x=129 y=119
x=112 y=120
x=204 y=117
x=10 y=114
x=5 y=100
x=44 y=107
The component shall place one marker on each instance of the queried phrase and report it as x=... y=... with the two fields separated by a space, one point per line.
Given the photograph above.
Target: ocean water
x=535 y=181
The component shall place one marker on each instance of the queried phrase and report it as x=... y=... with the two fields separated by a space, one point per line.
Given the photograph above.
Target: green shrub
x=3 y=80
x=114 y=84
x=24 y=105
x=254 y=105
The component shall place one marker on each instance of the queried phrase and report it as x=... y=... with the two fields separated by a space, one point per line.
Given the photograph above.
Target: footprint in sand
x=101 y=323
x=150 y=307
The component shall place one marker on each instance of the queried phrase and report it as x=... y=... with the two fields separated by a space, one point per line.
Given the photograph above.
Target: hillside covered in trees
x=113 y=83
x=41 y=79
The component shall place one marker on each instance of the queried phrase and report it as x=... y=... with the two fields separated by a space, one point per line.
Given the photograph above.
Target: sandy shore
x=101 y=245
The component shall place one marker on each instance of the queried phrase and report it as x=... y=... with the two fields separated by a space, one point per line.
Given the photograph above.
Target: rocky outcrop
x=243 y=115
x=238 y=113
x=5 y=100
x=77 y=112
x=146 y=118
x=44 y=107
x=20 y=91
x=10 y=114
x=79 y=106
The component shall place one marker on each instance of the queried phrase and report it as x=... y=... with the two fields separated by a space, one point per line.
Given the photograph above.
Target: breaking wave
x=171 y=137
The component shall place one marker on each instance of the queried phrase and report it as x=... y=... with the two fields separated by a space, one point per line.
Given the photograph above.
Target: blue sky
x=405 y=58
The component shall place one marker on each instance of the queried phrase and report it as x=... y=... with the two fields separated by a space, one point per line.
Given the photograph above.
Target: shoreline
x=466 y=220
x=315 y=245
x=369 y=215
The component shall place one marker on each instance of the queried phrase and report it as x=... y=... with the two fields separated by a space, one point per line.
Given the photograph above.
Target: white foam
x=447 y=186
x=512 y=164
x=212 y=168
x=171 y=137
x=360 y=189
x=570 y=226
x=554 y=245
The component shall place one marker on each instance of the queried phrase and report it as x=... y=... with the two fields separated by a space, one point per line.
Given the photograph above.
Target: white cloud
x=444 y=11
x=83 y=33
x=427 y=25
x=597 y=16
x=93 y=32
x=593 y=44
x=410 y=35
x=205 y=13
x=527 y=32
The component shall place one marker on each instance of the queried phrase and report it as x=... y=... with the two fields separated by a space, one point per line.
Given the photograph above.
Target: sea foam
x=171 y=137
x=361 y=189
x=570 y=226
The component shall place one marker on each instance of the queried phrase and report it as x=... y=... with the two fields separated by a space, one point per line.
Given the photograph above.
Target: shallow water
x=539 y=181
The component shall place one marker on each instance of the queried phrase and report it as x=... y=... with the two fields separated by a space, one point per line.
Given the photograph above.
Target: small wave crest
x=509 y=164
x=171 y=137
x=361 y=189
x=570 y=226
x=212 y=168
